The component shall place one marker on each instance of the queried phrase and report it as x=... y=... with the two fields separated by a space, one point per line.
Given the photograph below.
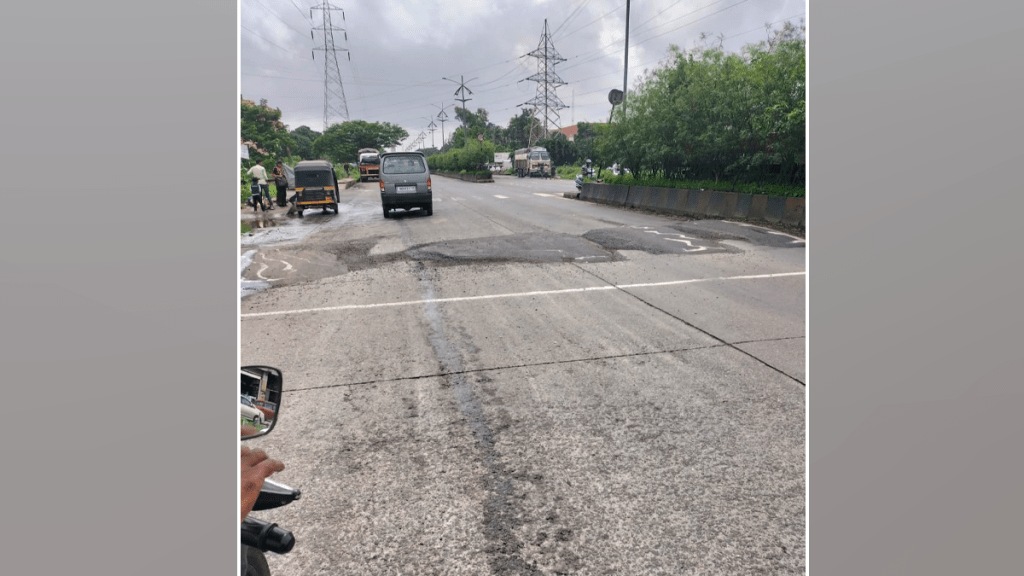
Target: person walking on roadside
x=258 y=172
x=281 y=183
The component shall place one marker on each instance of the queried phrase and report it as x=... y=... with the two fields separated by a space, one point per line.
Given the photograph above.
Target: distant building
x=570 y=132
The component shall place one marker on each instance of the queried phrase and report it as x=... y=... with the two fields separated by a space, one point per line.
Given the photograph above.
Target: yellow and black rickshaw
x=316 y=186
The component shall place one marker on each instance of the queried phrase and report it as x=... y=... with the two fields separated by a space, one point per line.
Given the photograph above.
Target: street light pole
x=442 y=116
x=461 y=90
x=625 y=68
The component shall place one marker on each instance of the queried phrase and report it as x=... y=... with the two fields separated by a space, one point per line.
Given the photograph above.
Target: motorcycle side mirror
x=260 y=400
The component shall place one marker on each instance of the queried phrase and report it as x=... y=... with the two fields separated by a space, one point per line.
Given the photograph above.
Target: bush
x=743 y=187
x=471 y=158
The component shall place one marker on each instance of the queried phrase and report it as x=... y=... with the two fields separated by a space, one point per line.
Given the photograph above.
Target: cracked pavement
x=529 y=384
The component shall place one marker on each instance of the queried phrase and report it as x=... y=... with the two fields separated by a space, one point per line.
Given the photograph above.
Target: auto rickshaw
x=316 y=186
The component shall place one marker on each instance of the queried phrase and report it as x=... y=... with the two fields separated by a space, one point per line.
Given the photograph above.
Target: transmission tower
x=547 y=101
x=335 y=105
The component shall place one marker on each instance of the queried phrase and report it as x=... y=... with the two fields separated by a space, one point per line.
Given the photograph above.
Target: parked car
x=269 y=409
x=249 y=411
x=405 y=182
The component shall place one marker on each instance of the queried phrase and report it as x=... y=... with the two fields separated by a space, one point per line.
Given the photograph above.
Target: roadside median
x=698 y=203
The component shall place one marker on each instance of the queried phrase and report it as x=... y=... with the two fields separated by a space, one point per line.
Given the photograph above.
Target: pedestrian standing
x=281 y=183
x=260 y=174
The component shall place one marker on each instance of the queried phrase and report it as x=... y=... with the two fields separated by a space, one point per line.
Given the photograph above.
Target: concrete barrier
x=722 y=204
x=794 y=212
x=617 y=194
x=776 y=209
x=663 y=200
x=700 y=203
x=758 y=207
x=590 y=191
x=743 y=202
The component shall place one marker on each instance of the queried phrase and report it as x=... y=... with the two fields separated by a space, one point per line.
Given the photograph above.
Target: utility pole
x=547 y=80
x=431 y=127
x=625 y=67
x=443 y=117
x=334 y=93
x=462 y=91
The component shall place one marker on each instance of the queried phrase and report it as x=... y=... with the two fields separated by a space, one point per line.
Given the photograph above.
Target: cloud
x=401 y=49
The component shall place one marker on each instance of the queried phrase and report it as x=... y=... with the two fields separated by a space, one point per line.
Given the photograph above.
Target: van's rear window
x=403 y=165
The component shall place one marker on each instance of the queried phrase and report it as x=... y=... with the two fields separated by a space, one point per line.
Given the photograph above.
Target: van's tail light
x=428 y=184
x=381 y=182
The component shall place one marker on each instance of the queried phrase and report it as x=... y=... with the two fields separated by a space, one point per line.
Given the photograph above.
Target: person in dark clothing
x=257 y=195
x=281 y=183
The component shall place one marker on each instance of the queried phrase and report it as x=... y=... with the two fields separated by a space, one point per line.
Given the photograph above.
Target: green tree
x=518 y=134
x=303 y=137
x=341 y=142
x=263 y=132
x=718 y=116
x=471 y=126
x=561 y=150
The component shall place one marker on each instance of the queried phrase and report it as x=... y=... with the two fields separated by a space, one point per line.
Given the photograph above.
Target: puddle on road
x=249 y=224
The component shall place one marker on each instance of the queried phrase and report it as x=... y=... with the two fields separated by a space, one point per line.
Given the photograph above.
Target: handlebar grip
x=266 y=536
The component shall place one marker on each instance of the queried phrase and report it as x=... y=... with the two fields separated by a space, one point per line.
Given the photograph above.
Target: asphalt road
x=527 y=384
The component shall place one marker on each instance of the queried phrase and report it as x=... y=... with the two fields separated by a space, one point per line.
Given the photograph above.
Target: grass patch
x=567 y=172
x=246 y=228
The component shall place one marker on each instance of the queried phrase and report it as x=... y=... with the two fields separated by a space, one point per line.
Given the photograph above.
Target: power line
x=297 y=8
x=258 y=35
x=693 y=22
x=272 y=13
x=570 y=16
x=599 y=51
x=609 y=13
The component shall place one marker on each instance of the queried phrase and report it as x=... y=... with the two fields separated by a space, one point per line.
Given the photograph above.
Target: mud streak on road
x=500 y=511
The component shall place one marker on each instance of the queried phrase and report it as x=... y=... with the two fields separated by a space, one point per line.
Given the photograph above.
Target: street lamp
x=431 y=127
x=462 y=89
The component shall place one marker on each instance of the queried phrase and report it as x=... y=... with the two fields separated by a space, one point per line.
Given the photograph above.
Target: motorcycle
x=262 y=386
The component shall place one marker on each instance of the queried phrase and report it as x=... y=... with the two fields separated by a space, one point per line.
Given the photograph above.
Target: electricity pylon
x=335 y=105
x=547 y=80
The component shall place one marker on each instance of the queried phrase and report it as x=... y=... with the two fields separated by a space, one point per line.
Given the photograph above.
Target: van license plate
x=401 y=189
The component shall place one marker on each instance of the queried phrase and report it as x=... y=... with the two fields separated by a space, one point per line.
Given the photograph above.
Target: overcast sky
x=394 y=54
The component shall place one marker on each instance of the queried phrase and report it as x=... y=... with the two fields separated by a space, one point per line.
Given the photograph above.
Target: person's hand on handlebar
x=256 y=467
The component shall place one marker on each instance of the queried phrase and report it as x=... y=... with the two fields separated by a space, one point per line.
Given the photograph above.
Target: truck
x=369 y=164
x=532 y=161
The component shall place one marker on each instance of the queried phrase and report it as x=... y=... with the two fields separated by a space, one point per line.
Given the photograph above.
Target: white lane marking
x=500 y=196
x=682 y=238
x=770 y=231
x=263 y=267
x=519 y=294
x=688 y=243
x=543 y=194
